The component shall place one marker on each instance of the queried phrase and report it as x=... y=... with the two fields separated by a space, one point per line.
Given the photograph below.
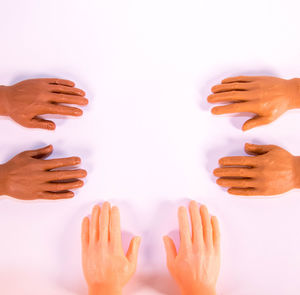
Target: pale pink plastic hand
x=196 y=265
x=106 y=268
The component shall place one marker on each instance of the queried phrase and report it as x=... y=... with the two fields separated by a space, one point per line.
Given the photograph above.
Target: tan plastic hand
x=105 y=266
x=29 y=176
x=267 y=97
x=271 y=171
x=25 y=101
x=196 y=266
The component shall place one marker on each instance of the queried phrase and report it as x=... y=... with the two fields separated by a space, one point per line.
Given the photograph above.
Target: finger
x=62 y=110
x=239 y=107
x=197 y=234
x=230 y=96
x=232 y=86
x=94 y=229
x=254 y=149
x=170 y=249
x=255 y=122
x=239 y=79
x=206 y=224
x=115 y=233
x=85 y=236
x=238 y=161
x=235 y=172
x=240 y=183
x=63 y=186
x=104 y=224
x=57 y=81
x=56 y=195
x=68 y=99
x=133 y=251
x=64 y=174
x=40 y=153
x=66 y=90
x=184 y=228
x=39 y=123
x=216 y=232
x=63 y=162
x=243 y=191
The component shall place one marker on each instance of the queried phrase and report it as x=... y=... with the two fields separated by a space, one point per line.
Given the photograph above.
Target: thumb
x=41 y=123
x=170 y=250
x=133 y=250
x=254 y=122
x=40 y=153
x=254 y=149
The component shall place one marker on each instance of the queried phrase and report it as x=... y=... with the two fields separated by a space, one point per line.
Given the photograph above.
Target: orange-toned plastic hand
x=25 y=101
x=267 y=97
x=29 y=176
x=196 y=266
x=271 y=171
x=105 y=266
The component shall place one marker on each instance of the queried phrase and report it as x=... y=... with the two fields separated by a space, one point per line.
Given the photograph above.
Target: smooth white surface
x=147 y=137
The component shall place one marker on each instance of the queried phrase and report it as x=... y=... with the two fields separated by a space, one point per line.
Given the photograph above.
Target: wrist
x=202 y=290
x=105 y=290
x=294 y=88
x=297 y=172
x=3 y=99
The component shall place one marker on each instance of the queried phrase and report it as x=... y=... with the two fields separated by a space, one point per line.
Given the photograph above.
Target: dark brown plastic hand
x=267 y=97
x=29 y=176
x=271 y=171
x=26 y=101
x=105 y=266
x=196 y=266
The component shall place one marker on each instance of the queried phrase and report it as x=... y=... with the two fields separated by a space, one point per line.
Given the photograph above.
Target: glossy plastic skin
x=267 y=97
x=105 y=266
x=30 y=176
x=270 y=171
x=196 y=266
x=26 y=101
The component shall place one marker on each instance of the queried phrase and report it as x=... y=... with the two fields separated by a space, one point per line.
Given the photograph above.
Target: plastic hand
x=267 y=97
x=25 y=101
x=271 y=171
x=196 y=266
x=105 y=266
x=29 y=176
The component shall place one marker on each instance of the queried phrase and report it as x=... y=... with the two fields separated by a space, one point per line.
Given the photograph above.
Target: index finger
x=238 y=107
x=59 y=163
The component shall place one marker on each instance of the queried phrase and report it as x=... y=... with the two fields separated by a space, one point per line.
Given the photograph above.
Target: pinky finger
x=57 y=195
x=242 y=79
x=56 y=81
x=243 y=191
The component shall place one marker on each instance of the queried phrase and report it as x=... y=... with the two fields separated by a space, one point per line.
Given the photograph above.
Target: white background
x=147 y=138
